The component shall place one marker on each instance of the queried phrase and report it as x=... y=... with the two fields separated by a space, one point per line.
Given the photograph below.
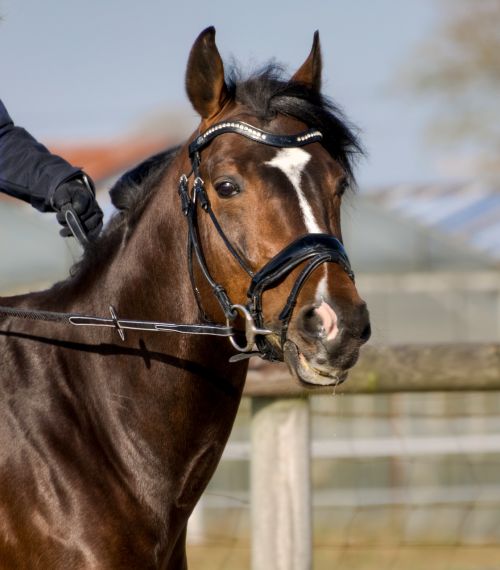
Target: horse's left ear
x=205 y=83
x=309 y=72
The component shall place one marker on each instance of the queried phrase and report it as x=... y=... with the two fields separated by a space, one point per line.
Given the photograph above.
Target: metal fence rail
x=384 y=447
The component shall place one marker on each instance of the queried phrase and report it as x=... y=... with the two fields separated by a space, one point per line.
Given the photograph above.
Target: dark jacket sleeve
x=27 y=169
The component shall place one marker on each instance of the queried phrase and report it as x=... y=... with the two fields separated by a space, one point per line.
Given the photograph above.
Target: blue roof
x=467 y=213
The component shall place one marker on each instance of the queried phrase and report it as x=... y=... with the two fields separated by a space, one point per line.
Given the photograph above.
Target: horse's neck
x=156 y=410
x=166 y=401
x=143 y=271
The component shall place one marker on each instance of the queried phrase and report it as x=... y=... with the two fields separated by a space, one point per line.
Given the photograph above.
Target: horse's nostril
x=366 y=333
x=311 y=322
x=319 y=322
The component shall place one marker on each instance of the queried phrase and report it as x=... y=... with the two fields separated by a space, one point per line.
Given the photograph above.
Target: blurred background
x=102 y=84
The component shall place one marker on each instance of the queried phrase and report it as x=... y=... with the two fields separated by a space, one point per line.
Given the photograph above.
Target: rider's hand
x=78 y=193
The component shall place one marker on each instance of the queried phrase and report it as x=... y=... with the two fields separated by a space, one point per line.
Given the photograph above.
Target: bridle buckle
x=251 y=330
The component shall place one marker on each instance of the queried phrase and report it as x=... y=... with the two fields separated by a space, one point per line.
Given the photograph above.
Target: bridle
x=312 y=249
x=316 y=249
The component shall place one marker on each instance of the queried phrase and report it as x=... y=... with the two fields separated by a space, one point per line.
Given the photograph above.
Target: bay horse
x=106 y=444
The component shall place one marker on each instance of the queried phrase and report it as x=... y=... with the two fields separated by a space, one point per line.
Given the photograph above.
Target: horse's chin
x=305 y=372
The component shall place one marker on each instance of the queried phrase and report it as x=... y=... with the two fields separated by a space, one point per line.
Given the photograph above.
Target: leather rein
x=315 y=249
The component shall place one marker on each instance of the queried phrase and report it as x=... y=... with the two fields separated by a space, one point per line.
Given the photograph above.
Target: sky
x=84 y=70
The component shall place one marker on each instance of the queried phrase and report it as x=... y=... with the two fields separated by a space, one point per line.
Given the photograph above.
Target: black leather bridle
x=316 y=249
x=311 y=249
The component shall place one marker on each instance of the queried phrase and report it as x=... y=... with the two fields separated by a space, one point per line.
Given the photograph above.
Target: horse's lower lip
x=307 y=373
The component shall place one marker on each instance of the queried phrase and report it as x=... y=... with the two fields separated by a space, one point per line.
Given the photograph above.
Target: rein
x=120 y=325
x=316 y=249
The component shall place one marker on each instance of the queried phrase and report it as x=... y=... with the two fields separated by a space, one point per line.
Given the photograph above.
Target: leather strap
x=115 y=322
x=318 y=249
x=255 y=134
x=314 y=248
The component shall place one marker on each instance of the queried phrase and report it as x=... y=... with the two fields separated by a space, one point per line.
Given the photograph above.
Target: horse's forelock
x=268 y=93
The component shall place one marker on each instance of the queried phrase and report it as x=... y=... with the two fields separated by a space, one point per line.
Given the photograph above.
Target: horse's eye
x=226 y=189
x=342 y=186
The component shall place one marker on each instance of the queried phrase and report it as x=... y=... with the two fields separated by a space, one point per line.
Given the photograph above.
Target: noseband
x=315 y=249
x=311 y=249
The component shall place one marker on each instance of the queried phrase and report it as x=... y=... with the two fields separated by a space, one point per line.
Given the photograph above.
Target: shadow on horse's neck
x=142 y=352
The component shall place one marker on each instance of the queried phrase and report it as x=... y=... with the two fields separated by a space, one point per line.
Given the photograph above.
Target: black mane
x=129 y=195
x=131 y=191
x=267 y=93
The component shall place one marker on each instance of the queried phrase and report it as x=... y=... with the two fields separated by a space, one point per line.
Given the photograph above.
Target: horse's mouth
x=305 y=372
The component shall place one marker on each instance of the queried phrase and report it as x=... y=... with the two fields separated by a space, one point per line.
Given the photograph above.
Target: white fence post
x=196 y=525
x=281 y=484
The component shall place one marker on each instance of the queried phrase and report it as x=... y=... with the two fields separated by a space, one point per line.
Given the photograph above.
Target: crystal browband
x=250 y=132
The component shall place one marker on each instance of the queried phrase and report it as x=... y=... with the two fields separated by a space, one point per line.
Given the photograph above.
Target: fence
x=280 y=439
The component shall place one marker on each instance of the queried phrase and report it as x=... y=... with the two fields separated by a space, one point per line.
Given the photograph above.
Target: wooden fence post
x=281 y=484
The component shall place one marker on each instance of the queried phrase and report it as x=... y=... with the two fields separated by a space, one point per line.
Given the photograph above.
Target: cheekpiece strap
x=255 y=134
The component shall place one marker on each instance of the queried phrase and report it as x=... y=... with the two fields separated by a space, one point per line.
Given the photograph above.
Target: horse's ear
x=309 y=72
x=205 y=83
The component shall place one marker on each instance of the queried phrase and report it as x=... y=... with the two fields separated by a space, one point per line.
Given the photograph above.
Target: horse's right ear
x=205 y=83
x=310 y=72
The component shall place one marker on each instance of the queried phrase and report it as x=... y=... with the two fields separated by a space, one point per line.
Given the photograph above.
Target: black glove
x=78 y=193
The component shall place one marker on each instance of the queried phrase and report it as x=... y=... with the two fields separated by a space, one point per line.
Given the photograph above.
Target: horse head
x=270 y=162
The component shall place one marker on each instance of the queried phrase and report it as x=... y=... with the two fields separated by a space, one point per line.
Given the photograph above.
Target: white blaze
x=292 y=161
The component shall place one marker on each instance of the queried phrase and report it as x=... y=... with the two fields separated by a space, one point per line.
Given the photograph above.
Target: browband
x=255 y=134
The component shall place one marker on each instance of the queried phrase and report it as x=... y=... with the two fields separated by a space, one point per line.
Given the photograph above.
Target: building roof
x=467 y=213
x=104 y=160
